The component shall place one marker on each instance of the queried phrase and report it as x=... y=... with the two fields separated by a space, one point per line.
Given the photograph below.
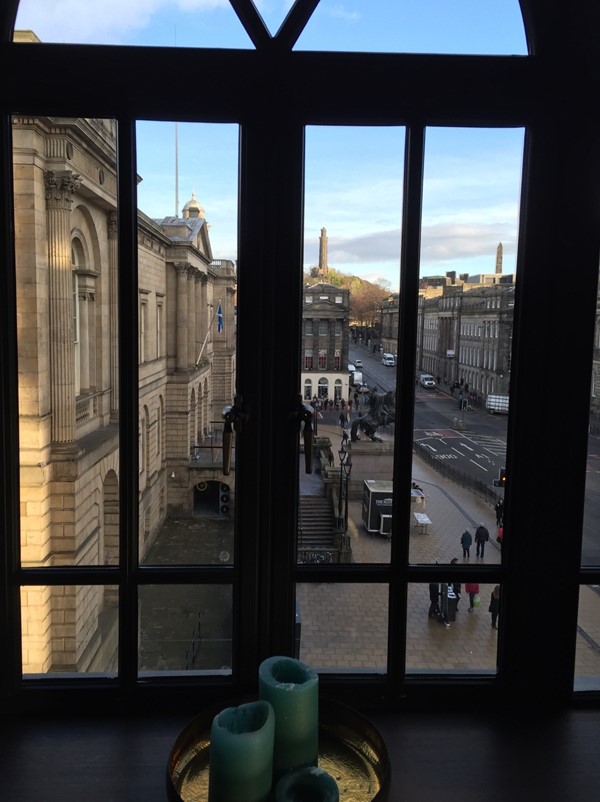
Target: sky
x=353 y=176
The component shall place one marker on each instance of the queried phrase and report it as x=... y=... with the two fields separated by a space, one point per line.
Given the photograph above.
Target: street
x=478 y=449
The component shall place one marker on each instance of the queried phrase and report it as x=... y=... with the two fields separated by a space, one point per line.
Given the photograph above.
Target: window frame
x=449 y=90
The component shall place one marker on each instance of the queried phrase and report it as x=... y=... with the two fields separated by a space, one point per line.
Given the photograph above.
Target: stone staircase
x=316 y=534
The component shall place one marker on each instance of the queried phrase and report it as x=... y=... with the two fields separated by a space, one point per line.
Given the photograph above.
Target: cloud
x=440 y=244
x=108 y=22
x=340 y=12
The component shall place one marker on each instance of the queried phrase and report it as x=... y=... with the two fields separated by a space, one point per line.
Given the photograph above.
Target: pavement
x=345 y=627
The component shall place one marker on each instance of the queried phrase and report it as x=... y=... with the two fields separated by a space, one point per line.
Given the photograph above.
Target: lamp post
x=345 y=471
x=343 y=455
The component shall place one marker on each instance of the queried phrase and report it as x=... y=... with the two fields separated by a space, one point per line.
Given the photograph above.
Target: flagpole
x=207 y=333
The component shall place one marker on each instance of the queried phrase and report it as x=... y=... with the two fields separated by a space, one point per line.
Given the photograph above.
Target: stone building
x=465 y=336
x=464 y=328
x=325 y=342
x=68 y=274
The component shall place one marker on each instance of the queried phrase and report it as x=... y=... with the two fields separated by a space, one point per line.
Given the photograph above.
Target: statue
x=382 y=410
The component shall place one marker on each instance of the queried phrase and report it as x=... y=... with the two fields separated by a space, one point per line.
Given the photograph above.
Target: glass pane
x=447 y=633
x=342 y=627
x=65 y=197
x=353 y=183
x=187 y=312
x=185 y=628
x=69 y=629
x=430 y=26
x=587 y=655
x=464 y=338
x=112 y=22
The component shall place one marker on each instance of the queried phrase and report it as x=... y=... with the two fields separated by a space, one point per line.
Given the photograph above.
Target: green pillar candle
x=293 y=690
x=311 y=784
x=241 y=754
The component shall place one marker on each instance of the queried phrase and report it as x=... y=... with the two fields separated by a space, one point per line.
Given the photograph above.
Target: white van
x=426 y=380
x=388 y=359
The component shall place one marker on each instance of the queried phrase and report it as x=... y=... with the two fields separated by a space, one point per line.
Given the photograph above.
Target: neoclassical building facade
x=65 y=202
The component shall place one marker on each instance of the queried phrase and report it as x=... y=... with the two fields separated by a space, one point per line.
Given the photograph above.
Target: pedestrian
x=481 y=538
x=455 y=586
x=343 y=420
x=499 y=508
x=466 y=539
x=350 y=405
x=494 y=607
x=472 y=588
x=434 y=606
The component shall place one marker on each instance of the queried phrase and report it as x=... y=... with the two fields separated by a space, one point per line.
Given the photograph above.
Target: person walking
x=494 y=607
x=472 y=588
x=481 y=538
x=466 y=539
x=499 y=508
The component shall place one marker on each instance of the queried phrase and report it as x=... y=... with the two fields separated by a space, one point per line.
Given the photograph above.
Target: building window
x=308 y=360
x=323 y=328
x=322 y=359
x=308 y=327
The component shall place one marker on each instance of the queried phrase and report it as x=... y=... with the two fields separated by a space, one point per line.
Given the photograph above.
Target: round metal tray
x=350 y=749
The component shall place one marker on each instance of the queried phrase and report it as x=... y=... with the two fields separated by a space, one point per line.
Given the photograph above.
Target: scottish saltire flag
x=219 y=318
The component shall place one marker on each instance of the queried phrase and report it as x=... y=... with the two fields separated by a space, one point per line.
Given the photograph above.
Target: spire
x=499 y=258
x=323 y=253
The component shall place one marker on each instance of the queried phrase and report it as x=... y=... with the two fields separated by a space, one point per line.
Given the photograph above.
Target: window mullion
x=128 y=400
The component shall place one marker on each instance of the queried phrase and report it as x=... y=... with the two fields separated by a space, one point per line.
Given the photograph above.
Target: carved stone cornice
x=60 y=188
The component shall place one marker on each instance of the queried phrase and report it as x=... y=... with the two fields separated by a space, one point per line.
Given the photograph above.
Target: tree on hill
x=366 y=298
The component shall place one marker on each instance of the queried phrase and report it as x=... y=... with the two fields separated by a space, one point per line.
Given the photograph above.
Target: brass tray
x=350 y=749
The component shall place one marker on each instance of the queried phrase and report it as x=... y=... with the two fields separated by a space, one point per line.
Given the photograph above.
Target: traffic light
x=224 y=498
x=501 y=480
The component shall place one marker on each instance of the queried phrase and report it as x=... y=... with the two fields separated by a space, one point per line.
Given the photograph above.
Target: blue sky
x=353 y=176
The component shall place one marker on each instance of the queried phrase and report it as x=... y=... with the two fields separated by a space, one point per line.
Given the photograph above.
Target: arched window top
x=427 y=26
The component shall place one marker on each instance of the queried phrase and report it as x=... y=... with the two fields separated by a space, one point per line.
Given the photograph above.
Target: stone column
x=60 y=187
x=113 y=313
x=192 y=354
x=199 y=336
x=182 y=315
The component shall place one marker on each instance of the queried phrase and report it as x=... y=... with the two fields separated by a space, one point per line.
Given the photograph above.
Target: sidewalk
x=345 y=627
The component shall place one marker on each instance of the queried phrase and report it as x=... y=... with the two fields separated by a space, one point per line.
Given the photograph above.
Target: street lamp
x=345 y=471
x=343 y=455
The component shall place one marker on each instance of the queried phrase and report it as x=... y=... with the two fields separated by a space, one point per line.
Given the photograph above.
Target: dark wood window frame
x=559 y=232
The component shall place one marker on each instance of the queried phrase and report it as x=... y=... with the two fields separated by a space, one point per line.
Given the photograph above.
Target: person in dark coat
x=466 y=539
x=499 y=508
x=494 y=607
x=481 y=538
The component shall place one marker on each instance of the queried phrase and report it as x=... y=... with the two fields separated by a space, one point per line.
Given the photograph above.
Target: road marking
x=426 y=445
x=464 y=445
x=462 y=454
x=479 y=466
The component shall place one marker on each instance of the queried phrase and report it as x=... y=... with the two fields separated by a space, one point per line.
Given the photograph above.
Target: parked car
x=358 y=363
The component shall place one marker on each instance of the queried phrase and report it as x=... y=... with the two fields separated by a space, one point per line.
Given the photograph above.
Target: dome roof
x=193 y=208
